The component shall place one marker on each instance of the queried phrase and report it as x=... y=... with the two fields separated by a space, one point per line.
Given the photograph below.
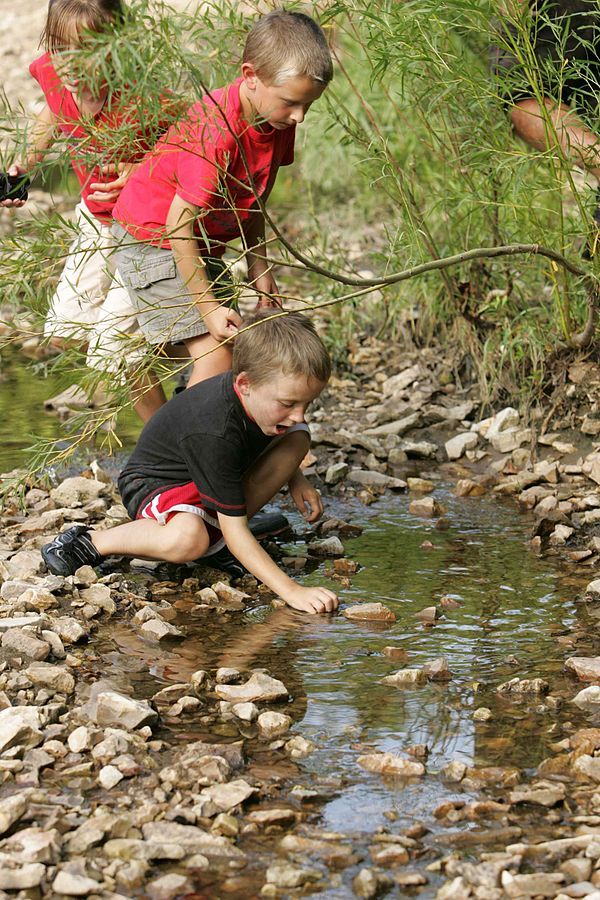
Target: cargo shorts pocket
x=141 y=274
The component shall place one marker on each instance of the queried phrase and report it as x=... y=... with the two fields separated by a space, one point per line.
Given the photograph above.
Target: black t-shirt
x=202 y=435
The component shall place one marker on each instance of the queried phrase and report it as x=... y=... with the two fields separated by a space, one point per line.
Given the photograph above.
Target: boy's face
x=281 y=105
x=277 y=404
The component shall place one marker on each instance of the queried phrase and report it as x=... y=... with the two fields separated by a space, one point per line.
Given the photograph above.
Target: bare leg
x=274 y=469
x=207 y=363
x=147 y=395
x=574 y=137
x=183 y=539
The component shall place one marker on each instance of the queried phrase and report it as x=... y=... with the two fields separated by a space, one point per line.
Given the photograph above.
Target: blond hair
x=67 y=21
x=284 y=45
x=270 y=343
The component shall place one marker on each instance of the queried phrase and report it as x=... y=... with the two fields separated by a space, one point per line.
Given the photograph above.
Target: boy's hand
x=107 y=191
x=266 y=286
x=15 y=169
x=221 y=322
x=312 y=599
x=306 y=497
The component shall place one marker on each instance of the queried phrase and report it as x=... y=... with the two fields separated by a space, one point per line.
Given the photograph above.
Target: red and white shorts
x=183 y=498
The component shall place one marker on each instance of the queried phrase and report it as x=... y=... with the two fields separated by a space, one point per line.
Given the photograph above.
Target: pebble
x=370 y=612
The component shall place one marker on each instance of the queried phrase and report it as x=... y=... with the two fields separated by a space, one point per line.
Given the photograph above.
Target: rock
x=458 y=445
x=12 y=808
x=159 y=630
x=327 y=547
x=285 y=875
x=228 y=594
x=38 y=598
x=586 y=668
x=56 y=678
x=109 y=777
x=247 y=712
x=229 y=795
x=80 y=740
x=191 y=838
x=77 y=491
x=467 y=487
x=169 y=886
x=542 y=793
x=259 y=687
x=369 y=612
x=405 y=677
x=99 y=595
x=591 y=467
x=369 y=478
x=454 y=771
x=524 y=686
x=336 y=473
x=593 y=589
x=370 y=883
x=418 y=449
x=277 y=816
x=426 y=507
x=75 y=883
x=398 y=427
x=429 y=615
x=502 y=421
x=390 y=855
x=588 y=766
x=273 y=725
x=388 y=764
x=25 y=643
x=483 y=714
x=22 y=878
x=536 y=885
x=68 y=629
x=438 y=669
x=20 y=725
x=395 y=384
x=24 y=621
x=40 y=845
x=23 y=564
x=420 y=485
x=587 y=699
x=227 y=675
x=298 y=747
x=394 y=652
x=510 y=440
x=345 y=567
x=122 y=712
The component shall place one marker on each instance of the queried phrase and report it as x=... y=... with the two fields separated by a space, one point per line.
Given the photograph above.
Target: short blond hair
x=70 y=19
x=270 y=343
x=284 y=45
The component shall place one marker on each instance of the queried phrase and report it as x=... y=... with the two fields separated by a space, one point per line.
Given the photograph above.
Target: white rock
x=259 y=687
x=389 y=764
x=273 y=724
x=80 y=740
x=369 y=478
x=458 y=445
x=502 y=421
x=21 y=641
x=23 y=564
x=20 y=725
x=109 y=776
x=75 y=884
x=23 y=622
x=116 y=709
x=77 y=491
x=23 y=878
x=587 y=699
x=247 y=712
x=227 y=796
x=159 y=630
x=12 y=808
x=56 y=678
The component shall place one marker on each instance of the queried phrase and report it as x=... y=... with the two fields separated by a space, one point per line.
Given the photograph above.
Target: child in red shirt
x=196 y=191
x=89 y=305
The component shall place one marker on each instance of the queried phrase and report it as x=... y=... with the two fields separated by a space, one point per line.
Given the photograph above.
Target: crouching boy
x=213 y=456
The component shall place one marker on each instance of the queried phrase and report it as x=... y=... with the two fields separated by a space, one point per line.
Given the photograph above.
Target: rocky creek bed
x=129 y=769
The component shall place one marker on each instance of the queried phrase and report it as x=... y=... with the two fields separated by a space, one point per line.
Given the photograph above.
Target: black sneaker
x=70 y=550
x=224 y=560
x=265 y=524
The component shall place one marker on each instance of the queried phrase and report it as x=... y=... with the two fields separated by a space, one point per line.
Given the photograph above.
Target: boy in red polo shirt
x=196 y=191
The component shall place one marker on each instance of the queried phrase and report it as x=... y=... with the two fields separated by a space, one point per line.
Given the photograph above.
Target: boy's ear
x=242 y=383
x=249 y=75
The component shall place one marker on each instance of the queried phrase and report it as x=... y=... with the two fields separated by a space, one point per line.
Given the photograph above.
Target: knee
x=297 y=442
x=185 y=541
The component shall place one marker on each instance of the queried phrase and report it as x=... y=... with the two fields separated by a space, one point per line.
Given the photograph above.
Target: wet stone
x=247 y=712
x=168 y=886
x=585 y=668
x=524 y=686
x=542 y=793
x=588 y=699
x=273 y=725
x=159 y=630
x=329 y=547
x=369 y=883
x=370 y=612
x=276 y=816
x=259 y=687
x=285 y=875
x=389 y=764
x=426 y=507
x=405 y=678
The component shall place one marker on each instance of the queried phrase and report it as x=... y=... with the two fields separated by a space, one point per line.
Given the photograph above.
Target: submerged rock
x=405 y=677
x=524 y=686
x=285 y=875
x=542 y=793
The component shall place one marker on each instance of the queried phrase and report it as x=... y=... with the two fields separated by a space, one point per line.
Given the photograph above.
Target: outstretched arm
x=251 y=555
x=260 y=274
x=42 y=135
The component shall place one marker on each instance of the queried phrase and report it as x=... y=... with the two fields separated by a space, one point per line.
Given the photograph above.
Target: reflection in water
x=511 y=610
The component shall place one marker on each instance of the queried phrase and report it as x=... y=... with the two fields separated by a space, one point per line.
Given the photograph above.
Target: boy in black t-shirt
x=213 y=456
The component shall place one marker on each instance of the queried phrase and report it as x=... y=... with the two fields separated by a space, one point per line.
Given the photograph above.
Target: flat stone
x=370 y=478
x=389 y=764
x=56 y=678
x=329 y=547
x=395 y=384
x=259 y=687
x=247 y=712
x=33 y=844
x=458 y=445
x=370 y=612
x=75 y=884
x=536 y=885
x=23 y=564
x=24 y=621
x=524 y=686
x=229 y=795
x=168 y=886
x=191 y=838
x=25 y=643
x=281 y=817
x=120 y=711
x=587 y=668
x=542 y=793
x=77 y=491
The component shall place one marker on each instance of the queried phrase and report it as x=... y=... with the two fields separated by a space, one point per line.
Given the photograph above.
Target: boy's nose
x=297 y=115
x=297 y=416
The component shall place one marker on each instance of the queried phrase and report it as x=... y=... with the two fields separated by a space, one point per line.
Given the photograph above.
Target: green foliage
x=408 y=157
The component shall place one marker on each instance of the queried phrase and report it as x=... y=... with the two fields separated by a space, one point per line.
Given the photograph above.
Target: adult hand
x=108 y=191
x=15 y=170
x=222 y=322
x=306 y=497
